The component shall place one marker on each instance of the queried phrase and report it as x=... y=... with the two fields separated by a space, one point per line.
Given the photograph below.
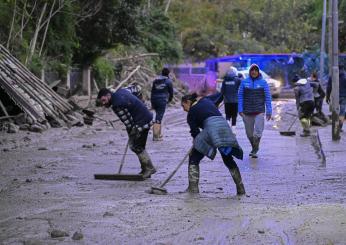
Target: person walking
x=342 y=94
x=161 y=95
x=318 y=92
x=254 y=101
x=137 y=119
x=229 y=90
x=210 y=132
x=305 y=103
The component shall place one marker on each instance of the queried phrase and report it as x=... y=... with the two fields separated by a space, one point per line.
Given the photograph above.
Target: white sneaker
x=234 y=129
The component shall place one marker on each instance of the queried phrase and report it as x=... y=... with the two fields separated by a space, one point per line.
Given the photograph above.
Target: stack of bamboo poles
x=29 y=93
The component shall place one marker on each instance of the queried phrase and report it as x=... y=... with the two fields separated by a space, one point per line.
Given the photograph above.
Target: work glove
x=134 y=132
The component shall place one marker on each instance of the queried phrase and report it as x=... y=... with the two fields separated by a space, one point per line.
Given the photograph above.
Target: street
x=293 y=195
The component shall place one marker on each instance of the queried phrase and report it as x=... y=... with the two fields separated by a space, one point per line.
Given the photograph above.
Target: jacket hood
x=233 y=72
x=302 y=81
x=254 y=66
x=160 y=77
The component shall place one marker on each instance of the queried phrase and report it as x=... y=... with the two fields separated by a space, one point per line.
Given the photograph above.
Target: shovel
x=119 y=175
x=288 y=132
x=159 y=190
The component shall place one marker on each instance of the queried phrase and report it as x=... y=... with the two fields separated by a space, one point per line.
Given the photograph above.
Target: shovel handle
x=123 y=158
x=176 y=169
x=295 y=119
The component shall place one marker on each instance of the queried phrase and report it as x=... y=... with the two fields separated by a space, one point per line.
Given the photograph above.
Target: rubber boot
x=156 y=132
x=147 y=166
x=256 y=142
x=193 y=174
x=341 y=123
x=238 y=181
x=252 y=150
x=160 y=132
x=234 y=129
x=306 y=127
x=305 y=133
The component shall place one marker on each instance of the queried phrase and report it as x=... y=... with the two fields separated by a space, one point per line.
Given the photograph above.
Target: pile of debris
x=135 y=70
x=41 y=107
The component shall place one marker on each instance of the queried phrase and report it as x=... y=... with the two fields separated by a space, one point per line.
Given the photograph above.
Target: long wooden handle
x=123 y=159
x=175 y=170
x=292 y=124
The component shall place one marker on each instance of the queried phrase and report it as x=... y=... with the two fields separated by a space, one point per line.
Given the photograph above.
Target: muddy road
x=48 y=194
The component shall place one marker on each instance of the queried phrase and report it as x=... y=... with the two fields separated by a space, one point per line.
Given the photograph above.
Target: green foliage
x=116 y=22
x=158 y=35
x=103 y=69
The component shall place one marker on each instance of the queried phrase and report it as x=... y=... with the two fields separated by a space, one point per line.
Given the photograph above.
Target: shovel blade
x=157 y=190
x=288 y=133
x=129 y=177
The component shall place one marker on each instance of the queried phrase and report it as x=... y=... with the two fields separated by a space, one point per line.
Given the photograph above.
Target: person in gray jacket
x=305 y=103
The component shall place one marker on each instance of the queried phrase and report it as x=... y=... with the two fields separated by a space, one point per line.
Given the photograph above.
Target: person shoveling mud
x=216 y=134
x=137 y=119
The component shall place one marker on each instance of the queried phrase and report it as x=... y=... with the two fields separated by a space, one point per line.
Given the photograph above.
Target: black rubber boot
x=252 y=150
x=238 y=181
x=147 y=166
x=193 y=174
x=305 y=133
x=256 y=142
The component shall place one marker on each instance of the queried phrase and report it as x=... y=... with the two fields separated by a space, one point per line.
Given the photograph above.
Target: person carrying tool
x=161 y=95
x=254 y=100
x=137 y=119
x=229 y=91
x=216 y=134
x=305 y=103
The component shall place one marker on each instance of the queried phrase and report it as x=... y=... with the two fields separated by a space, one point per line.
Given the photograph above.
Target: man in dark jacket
x=254 y=103
x=229 y=91
x=342 y=94
x=161 y=95
x=137 y=119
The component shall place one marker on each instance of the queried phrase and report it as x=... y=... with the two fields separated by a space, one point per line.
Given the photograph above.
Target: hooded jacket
x=303 y=91
x=342 y=85
x=162 y=89
x=254 y=95
x=230 y=86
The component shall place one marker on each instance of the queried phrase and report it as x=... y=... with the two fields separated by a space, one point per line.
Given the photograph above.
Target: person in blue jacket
x=254 y=103
x=137 y=119
x=161 y=95
x=342 y=94
x=229 y=90
x=210 y=132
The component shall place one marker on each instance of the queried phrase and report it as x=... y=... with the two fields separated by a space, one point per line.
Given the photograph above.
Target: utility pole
x=335 y=73
x=330 y=38
x=323 y=40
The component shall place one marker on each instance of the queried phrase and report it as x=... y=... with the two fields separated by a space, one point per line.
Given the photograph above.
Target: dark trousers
x=196 y=157
x=306 y=109
x=159 y=105
x=318 y=104
x=137 y=142
x=231 y=111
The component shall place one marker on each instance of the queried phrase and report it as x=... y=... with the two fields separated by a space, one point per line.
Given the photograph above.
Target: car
x=274 y=85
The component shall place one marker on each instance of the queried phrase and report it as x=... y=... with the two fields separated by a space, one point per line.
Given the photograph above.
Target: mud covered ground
x=48 y=194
